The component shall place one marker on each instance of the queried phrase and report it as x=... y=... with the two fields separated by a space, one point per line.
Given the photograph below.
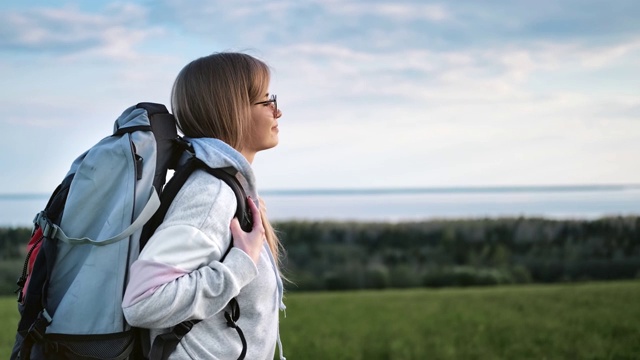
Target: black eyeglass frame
x=272 y=99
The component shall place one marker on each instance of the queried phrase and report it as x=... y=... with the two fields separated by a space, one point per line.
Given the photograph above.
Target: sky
x=374 y=94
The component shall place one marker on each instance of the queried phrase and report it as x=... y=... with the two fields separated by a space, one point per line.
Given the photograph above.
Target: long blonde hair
x=212 y=97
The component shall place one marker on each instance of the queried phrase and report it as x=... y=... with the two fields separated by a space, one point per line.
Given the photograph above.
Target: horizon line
x=405 y=190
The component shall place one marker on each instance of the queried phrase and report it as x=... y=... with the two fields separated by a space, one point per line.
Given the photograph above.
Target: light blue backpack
x=90 y=232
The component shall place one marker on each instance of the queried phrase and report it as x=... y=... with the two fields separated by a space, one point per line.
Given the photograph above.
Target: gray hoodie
x=179 y=277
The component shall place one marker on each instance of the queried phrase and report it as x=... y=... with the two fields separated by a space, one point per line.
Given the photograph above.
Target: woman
x=223 y=108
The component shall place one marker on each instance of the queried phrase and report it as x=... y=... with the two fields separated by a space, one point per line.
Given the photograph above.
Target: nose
x=278 y=113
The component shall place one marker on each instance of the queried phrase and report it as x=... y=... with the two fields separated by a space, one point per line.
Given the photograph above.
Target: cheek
x=260 y=127
x=255 y=114
x=262 y=120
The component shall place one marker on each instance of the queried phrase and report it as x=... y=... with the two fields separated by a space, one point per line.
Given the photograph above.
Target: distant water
x=576 y=202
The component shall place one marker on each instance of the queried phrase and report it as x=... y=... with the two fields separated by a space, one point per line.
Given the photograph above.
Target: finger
x=255 y=214
x=235 y=226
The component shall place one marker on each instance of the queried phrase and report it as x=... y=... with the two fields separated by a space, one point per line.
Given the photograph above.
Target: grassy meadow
x=561 y=321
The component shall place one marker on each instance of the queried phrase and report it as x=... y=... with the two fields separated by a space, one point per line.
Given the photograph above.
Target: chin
x=270 y=145
x=275 y=141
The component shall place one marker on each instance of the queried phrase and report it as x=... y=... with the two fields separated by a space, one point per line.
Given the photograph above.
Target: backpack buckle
x=39 y=327
x=39 y=216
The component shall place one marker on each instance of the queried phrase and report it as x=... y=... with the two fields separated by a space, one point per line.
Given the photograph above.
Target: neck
x=249 y=155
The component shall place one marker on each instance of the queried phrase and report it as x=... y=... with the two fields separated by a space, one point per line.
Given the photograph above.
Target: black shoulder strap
x=163 y=126
x=175 y=184
x=224 y=174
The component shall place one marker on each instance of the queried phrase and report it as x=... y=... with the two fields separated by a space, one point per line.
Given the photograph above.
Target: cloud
x=394 y=26
x=252 y=24
x=392 y=10
x=499 y=74
x=523 y=20
x=112 y=33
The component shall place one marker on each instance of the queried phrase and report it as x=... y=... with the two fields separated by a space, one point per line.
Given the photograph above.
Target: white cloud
x=393 y=10
x=112 y=34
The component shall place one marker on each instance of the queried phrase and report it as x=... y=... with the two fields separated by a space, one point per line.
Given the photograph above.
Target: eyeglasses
x=272 y=99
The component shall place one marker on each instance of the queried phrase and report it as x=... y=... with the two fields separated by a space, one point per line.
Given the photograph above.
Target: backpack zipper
x=23 y=278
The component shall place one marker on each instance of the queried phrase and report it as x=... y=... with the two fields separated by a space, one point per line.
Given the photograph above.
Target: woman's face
x=263 y=130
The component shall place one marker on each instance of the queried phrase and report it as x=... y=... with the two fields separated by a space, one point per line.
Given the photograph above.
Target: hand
x=249 y=242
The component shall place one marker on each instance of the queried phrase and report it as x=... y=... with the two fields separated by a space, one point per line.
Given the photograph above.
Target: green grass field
x=569 y=321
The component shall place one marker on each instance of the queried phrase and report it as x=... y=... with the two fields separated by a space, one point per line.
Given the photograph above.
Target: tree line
x=337 y=256
x=434 y=253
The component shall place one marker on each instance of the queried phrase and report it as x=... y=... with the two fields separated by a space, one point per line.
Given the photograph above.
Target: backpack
x=92 y=229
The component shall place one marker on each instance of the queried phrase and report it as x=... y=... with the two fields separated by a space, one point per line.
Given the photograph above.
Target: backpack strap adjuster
x=36 y=334
x=39 y=327
x=49 y=229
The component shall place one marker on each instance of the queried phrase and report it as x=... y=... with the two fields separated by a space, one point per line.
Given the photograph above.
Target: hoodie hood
x=218 y=154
